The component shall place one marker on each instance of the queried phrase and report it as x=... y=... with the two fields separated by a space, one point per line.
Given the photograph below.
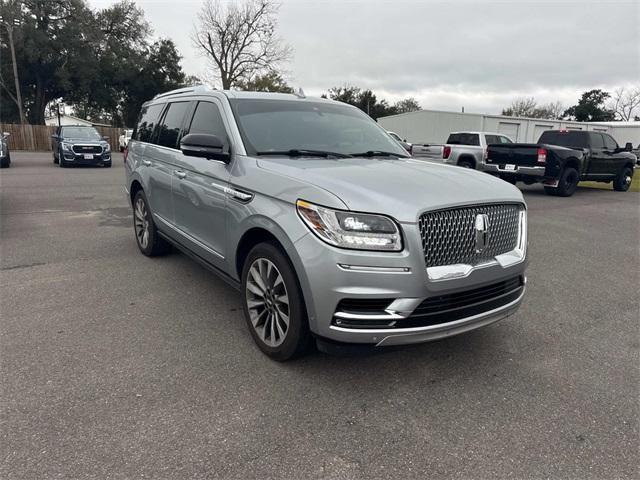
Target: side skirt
x=194 y=256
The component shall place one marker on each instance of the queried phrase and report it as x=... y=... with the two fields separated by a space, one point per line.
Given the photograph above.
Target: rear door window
x=596 y=140
x=464 y=139
x=565 y=138
x=171 y=125
x=609 y=142
x=148 y=120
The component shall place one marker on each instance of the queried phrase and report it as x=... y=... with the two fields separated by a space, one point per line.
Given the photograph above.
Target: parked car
x=562 y=158
x=406 y=145
x=5 y=154
x=80 y=145
x=322 y=221
x=123 y=140
x=636 y=152
x=469 y=149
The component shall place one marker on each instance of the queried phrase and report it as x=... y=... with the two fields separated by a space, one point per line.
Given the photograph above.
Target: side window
x=492 y=139
x=169 y=129
x=609 y=142
x=471 y=139
x=596 y=140
x=207 y=119
x=505 y=139
x=148 y=119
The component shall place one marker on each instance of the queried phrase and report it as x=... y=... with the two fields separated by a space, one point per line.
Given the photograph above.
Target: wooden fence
x=38 y=137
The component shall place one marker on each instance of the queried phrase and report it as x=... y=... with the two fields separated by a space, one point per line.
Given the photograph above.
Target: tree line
x=593 y=106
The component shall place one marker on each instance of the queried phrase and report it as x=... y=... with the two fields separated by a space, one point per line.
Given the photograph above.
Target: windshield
x=81 y=133
x=565 y=139
x=282 y=125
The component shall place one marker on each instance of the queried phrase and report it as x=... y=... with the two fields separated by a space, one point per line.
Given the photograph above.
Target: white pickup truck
x=469 y=149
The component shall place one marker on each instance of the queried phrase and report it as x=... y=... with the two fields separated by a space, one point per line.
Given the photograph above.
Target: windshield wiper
x=294 y=152
x=377 y=153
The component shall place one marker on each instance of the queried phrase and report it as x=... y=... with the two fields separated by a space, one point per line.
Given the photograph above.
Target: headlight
x=67 y=147
x=359 y=231
x=106 y=147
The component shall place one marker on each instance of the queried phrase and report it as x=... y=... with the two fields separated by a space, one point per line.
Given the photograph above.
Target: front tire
x=273 y=304
x=5 y=162
x=147 y=238
x=106 y=164
x=567 y=183
x=623 y=180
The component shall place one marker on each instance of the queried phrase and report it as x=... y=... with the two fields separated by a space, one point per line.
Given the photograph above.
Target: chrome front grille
x=449 y=236
x=80 y=149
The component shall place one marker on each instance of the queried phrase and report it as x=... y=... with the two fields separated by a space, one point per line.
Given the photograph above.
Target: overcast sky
x=447 y=54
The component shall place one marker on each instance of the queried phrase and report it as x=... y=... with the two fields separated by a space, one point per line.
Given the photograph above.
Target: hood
x=402 y=188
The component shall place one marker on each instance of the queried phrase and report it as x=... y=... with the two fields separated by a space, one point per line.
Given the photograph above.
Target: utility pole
x=9 y=27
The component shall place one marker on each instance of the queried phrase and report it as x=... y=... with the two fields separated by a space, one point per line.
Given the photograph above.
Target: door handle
x=147 y=163
x=180 y=174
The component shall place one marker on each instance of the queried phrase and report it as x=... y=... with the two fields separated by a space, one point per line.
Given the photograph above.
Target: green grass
x=635 y=183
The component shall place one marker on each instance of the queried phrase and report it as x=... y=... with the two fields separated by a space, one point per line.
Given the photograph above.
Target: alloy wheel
x=141 y=222
x=267 y=302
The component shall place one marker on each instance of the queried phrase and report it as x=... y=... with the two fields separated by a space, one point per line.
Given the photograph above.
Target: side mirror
x=628 y=147
x=55 y=136
x=203 y=145
x=106 y=138
x=6 y=134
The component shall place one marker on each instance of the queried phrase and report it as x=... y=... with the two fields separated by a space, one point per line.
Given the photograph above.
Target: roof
x=239 y=94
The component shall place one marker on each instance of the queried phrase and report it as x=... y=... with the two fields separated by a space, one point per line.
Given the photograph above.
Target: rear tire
x=147 y=238
x=567 y=183
x=623 y=180
x=465 y=164
x=273 y=304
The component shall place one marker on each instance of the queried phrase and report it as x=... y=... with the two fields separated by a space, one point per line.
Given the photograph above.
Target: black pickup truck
x=561 y=159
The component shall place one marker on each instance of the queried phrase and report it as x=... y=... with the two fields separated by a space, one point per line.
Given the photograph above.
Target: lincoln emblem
x=482 y=232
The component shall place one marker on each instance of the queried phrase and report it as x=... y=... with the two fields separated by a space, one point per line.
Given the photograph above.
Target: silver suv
x=321 y=220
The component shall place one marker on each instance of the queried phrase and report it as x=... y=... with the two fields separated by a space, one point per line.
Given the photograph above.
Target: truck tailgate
x=522 y=154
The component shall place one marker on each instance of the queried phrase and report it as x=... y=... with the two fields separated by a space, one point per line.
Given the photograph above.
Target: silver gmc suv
x=323 y=222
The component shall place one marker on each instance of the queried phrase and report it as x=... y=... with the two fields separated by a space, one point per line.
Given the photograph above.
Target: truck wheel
x=567 y=183
x=273 y=304
x=465 y=164
x=622 y=181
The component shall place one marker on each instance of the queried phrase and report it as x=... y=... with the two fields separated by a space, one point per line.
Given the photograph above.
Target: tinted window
x=609 y=142
x=596 y=140
x=148 y=119
x=491 y=139
x=207 y=119
x=171 y=125
x=282 y=125
x=505 y=139
x=565 y=138
x=464 y=139
x=80 y=133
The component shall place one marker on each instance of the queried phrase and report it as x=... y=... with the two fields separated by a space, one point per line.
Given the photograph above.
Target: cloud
x=446 y=54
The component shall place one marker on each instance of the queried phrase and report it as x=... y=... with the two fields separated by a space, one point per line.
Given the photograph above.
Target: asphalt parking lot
x=114 y=365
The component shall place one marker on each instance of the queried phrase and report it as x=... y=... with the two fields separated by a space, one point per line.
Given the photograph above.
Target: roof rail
x=194 y=89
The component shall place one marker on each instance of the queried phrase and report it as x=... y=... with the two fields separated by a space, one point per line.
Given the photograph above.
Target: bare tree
x=528 y=107
x=240 y=39
x=624 y=103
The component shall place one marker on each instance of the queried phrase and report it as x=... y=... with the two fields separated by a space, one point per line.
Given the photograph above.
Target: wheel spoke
x=267 y=302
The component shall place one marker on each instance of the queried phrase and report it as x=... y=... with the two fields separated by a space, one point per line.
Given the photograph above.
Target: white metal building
x=433 y=126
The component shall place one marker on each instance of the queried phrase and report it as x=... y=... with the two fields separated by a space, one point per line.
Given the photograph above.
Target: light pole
x=8 y=25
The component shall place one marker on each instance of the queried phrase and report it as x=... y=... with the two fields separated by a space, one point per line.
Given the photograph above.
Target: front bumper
x=81 y=159
x=332 y=275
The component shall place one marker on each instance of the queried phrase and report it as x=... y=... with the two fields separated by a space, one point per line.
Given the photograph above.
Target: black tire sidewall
x=156 y=245
x=465 y=164
x=298 y=335
x=563 y=189
x=619 y=184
